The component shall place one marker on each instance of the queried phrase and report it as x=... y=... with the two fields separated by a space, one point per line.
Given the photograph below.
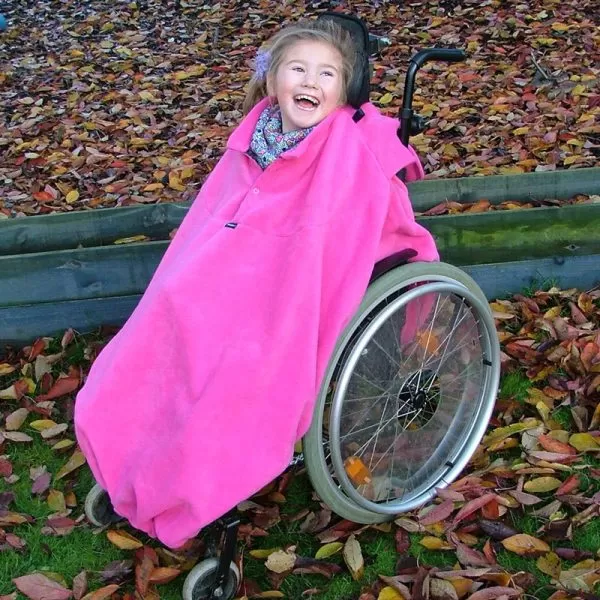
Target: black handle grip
x=441 y=54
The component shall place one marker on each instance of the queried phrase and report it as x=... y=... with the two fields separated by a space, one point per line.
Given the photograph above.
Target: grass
x=86 y=548
x=514 y=385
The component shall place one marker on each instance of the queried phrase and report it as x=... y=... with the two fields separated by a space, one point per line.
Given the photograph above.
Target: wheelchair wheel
x=407 y=395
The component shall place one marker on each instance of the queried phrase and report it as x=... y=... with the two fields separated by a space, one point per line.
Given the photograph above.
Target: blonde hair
x=319 y=30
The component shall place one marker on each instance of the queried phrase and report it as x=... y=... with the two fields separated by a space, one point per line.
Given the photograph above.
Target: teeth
x=311 y=100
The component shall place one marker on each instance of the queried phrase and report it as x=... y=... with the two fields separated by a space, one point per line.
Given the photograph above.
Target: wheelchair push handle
x=438 y=54
x=410 y=123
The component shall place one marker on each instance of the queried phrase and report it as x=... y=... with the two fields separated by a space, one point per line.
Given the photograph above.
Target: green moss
x=514 y=385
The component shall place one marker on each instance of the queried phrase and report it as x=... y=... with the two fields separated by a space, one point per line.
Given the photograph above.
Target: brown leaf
x=402 y=541
x=353 y=558
x=80 y=585
x=496 y=529
x=39 y=587
x=146 y=560
x=164 y=575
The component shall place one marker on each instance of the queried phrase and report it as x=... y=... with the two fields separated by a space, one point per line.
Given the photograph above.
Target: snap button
x=255 y=190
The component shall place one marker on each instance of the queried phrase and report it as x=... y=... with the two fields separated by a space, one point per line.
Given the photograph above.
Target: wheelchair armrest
x=391 y=262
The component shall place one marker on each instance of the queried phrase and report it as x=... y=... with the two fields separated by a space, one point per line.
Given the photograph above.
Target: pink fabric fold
x=197 y=402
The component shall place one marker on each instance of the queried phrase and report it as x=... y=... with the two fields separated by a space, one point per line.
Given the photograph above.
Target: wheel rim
x=418 y=402
x=202 y=587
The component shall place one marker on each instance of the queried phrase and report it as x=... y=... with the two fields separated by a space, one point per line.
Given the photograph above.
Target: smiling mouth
x=304 y=102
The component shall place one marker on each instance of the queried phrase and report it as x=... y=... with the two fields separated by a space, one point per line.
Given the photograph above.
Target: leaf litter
x=538 y=460
x=109 y=104
x=158 y=124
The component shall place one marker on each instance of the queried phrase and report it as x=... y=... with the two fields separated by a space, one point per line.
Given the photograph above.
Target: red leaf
x=568 y=486
x=473 y=506
x=39 y=587
x=64 y=385
x=402 y=541
x=146 y=559
x=439 y=513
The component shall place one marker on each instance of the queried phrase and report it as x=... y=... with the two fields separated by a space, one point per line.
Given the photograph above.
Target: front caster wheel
x=98 y=508
x=200 y=580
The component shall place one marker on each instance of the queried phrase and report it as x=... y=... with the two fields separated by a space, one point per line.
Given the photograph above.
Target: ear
x=270 y=86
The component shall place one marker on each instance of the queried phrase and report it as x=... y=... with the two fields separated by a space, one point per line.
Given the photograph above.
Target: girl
x=198 y=401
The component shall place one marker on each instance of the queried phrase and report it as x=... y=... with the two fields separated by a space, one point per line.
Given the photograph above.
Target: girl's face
x=308 y=84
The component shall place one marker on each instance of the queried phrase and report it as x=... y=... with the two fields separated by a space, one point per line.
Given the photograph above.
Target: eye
x=298 y=69
x=328 y=73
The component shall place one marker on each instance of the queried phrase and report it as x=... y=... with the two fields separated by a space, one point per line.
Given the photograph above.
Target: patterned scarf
x=268 y=142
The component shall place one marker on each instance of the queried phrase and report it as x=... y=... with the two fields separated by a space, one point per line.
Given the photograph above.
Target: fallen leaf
x=123 y=540
x=525 y=545
x=549 y=564
x=77 y=460
x=329 y=550
x=39 y=587
x=353 y=558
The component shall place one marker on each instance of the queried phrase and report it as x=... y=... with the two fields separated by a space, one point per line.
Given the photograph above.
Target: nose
x=310 y=79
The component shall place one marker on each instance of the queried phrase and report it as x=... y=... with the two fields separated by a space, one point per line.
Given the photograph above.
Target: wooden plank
x=502 y=279
x=99 y=227
x=500 y=188
x=78 y=274
x=22 y=324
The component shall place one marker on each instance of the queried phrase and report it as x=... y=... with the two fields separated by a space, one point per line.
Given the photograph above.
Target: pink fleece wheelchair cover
x=197 y=402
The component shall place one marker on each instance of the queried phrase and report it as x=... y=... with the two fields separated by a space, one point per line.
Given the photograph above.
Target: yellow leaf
x=520 y=130
x=6 y=369
x=549 y=564
x=578 y=90
x=181 y=75
x=450 y=151
x=175 y=183
x=462 y=585
x=542 y=484
x=76 y=461
x=56 y=501
x=386 y=98
x=329 y=550
x=569 y=160
x=545 y=41
x=560 y=27
x=503 y=432
x=145 y=95
x=434 y=543
x=132 y=239
x=151 y=187
x=123 y=540
x=263 y=553
x=42 y=424
x=524 y=544
x=72 y=196
x=389 y=593
x=584 y=442
x=63 y=444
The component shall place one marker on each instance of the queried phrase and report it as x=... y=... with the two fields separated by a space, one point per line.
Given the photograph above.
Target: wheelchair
x=405 y=399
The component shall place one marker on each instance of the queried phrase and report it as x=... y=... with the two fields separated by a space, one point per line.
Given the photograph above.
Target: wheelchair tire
x=451 y=419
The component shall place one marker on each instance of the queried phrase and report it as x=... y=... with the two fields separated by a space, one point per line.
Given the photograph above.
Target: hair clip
x=261 y=63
